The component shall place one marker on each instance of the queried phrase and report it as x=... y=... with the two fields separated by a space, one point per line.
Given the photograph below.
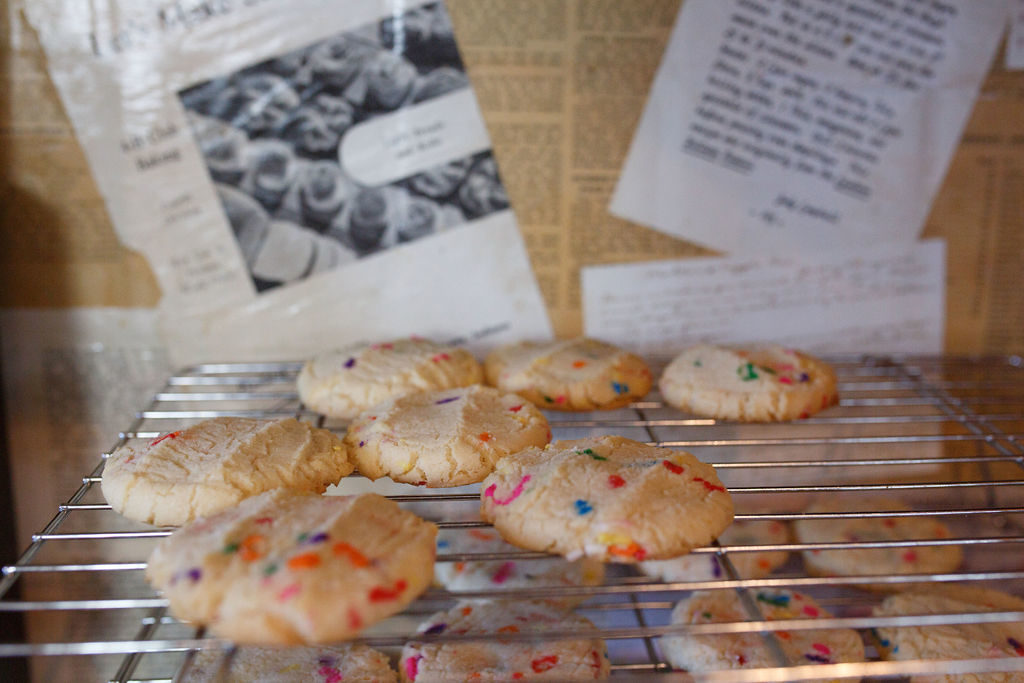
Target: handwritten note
x=782 y=124
x=875 y=299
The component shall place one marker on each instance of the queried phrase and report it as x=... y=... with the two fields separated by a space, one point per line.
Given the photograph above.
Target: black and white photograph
x=270 y=136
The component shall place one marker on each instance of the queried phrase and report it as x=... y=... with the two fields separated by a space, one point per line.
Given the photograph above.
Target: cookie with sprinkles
x=573 y=375
x=346 y=382
x=444 y=438
x=527 y=652
x=857 y=561
x=291 y=568
x=705 y=653
x=509 y=573
x=607 y=497
x=349 y=662
x=997 y=640
x=760 y=384
x=749 y=565
x=216 y=463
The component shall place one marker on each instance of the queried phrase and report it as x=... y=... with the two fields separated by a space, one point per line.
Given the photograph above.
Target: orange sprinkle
x=304 y=561
x=485 y=436
x=252 y=548
x=632 y=550
x=511 y=628
x=579 y=364
x=350 y=552
x=785 y=635
x=466 y=610
x=460 y=567
x=764 y=564
x=481 y=535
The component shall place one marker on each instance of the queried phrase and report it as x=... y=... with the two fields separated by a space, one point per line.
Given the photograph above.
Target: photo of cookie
x=607 y=497
x=749 y=565
x=477 y=575
x=540 y=658
x=443 y=438
x=294 y=568
x=714 y=652
x=575 y=374
x=760 y=384
x=925 y=559
x=951 y=641
x=217 y=463
x=346 y=382
x=348 y=662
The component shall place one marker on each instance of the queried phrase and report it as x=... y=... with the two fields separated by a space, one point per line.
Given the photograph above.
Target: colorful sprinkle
x=910 y=556
x=511 y=628
x=516 y=409
x=304 y=561
x=485 y=436
x=672 y=467
x=822 y=648
x=252 y=548
x=384 y=594
x=706 y=615
x=632 y=550
x=542 y=664
x=697 y=363
x=466 y=611
x=270 y=569
x=516 y=492
x=709 y=486
x=362 y=443
x=330 y=674
x=351 y=553
x=350 y=363
x=504 y=571
x=230 y=548
x=412 y=666
x=318 y=537
x=440 y=357
x=265 y=520
x=447 y=400
x=785 y=380
x=435 y=629
x=716 y=567
x=615 y=481
x=288 y=592
x=355 y=622
x=620 y=388
x=579 y=364
x=480 y=535
x=172 y=435
x=820 y=659
x=591 y=453
x=804 y=377
x=548 y=399
x=583 y=507
x=812 y=611
x=1017 y=647
x=776 y=600
x=746 y=372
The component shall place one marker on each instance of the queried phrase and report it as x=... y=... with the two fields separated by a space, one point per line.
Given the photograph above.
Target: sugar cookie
x=216 y=463
x=607 y=497
x=883 y=561
x=542 y=658
x=346 y=382
x=575 y=374
x=713 y=652
x=290 y=568
x=350 y=662
x=749 y=565
x=444 y=438
x=760 y=384
x=952 y=641
x=477 y=575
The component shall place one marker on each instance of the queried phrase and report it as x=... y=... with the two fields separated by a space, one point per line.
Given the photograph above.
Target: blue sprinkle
x=326 y=661
x=436 y=628
x=362 y=443
x=317 y=538
x=194 y=574
x=446 y=400
x=350 y=362
x=804 y=377
x=443 y=544
x=820 y=659
x=716 y=568
x=620 y=388
x=777 y=600
x=583 y=507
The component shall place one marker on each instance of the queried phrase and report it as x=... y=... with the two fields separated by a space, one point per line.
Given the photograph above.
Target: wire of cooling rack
x=943 y=434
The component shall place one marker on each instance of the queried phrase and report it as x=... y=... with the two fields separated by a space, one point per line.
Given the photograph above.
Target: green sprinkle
x=302 y=537
x=549 y=399
x=698 y=364
x=746 y=372
x=270 y=570
x=592 y=454
x=706 y=615
x=767 y=369
x=230 y=548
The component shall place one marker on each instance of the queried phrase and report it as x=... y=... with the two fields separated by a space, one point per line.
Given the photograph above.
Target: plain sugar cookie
x=290 y=568
x=540 y=658
x=216 y=463
x=608 y=497
x=444 y=438
x=713 y=652
x=952 y=641
x=344 y=383
x=346 y=663
x=576 y=374
x=761 y=384
x=748 y=565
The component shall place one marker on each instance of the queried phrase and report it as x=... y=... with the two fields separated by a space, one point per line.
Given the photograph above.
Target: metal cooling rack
x=942 y=433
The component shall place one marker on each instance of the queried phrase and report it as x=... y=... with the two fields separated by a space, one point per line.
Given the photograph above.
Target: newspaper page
x=778 y=125
x=874 y=299
x=298 y=174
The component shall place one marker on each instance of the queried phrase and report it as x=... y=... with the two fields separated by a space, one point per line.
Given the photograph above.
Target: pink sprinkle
x=785 y=380
x=412 y=667
x=440 y=357
x=910 y=556
x=288 y=593
x=265 y=520
x=822 y=648
x=811 y=610
x=516 y=492
x=560 y=398
x=330 y=674
x=504 y=571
